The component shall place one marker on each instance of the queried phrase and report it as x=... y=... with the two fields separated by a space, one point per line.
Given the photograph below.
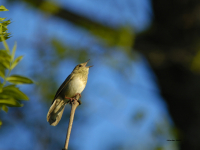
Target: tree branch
x=68 y=15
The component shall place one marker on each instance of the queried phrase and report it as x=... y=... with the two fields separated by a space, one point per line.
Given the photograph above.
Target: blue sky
x=112 y=98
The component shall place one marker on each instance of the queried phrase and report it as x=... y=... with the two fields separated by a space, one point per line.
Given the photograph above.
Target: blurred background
x=143 y=91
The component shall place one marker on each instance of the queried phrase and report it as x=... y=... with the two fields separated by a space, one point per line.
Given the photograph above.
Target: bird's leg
x=79 y=96
x=73 y=98
x=70 y=99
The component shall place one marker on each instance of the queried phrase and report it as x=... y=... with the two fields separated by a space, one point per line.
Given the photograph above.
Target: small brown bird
x=74 y=84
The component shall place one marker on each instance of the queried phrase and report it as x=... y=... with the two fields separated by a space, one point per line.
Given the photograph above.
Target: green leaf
x=16 y=79
x=16 y=61
x=10 y=102
x=4 y=108
x=4 y=33
x=5 y=43
x=1 y=88
x=2 y=74
x=2 y=71
x=6 y=64
x=13 y=51
x=4 y=96
x=14 y=92
x=5 y=55
x=5 y=58
x=2 y=19
x=3 y=8
x=1 y=123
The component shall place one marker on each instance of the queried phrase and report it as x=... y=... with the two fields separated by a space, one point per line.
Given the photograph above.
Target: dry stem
x=74 y=105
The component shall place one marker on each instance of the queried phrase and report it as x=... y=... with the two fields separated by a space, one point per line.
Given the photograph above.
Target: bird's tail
x=55 y=112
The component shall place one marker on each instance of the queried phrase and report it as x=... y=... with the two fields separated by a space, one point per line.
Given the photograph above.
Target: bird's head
x=82 y=68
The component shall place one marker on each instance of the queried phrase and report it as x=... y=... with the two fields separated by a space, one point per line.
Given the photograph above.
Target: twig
x=74 y=105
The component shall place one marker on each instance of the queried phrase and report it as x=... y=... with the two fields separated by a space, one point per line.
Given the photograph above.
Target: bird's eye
x=80 y=65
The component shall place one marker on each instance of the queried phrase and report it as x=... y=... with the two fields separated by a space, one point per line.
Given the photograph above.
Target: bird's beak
x=86 y=64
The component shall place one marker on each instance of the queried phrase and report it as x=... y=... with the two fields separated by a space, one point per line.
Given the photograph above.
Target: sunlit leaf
x=10 y=102
x=5 y=58
x=3 y=8
x=14 y=92
x=5 y=43
x=2 y=71
x=6 y=64
x=16 y=79
x=13 y=52
x=2 y=19
x=5 y=24
x=4 y=108
x=4 y=32
x=16 y=61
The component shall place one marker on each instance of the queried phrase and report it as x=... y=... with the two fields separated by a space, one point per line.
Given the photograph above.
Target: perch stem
x=74 y=105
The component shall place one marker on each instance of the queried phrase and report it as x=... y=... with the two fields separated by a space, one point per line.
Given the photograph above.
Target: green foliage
x=16 y=79
x=3 y=8
x=63 y=51
x=10 y=95
x=49 y=7
x=3 y=25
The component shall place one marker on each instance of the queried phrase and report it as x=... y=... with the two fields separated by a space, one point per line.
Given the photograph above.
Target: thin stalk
x=74 y=105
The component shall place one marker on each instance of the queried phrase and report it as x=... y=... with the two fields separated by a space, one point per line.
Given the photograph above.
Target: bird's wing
x=69 y=78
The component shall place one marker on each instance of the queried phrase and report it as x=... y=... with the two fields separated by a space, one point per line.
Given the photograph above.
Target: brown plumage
x=73 y=84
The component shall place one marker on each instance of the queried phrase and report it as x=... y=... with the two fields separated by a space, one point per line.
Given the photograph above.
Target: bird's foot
x=74 y=98
x=79 y=101
x=70 y=99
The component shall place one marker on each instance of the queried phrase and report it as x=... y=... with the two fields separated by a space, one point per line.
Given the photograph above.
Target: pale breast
x=76 y=85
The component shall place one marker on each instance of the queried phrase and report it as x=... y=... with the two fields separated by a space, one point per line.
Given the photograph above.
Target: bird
x=74 y=84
